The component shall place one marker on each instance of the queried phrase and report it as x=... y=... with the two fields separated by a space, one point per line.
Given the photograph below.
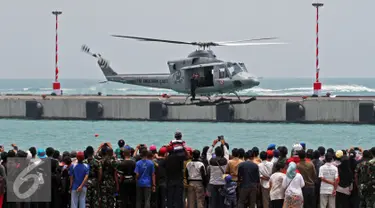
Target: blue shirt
x=78 y=171
x=145 y=169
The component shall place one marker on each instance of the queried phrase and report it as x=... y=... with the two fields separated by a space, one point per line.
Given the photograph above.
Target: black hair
x=322 y=151
x=149 y=154
x=235 y=152
x=255 y=151
x=49 y=151
x=90 y=151
x=67 y=160
x=247 y=155
x=263 y=155
x=280 y=166
x=302 y=154
x=330 y=150
x=144 y=153
x=329 y=157
x=196 y=154
x=316 y=154
x=283 y=151
x=219 y=152
x=309 y=154
x=250 y=152
x=56 y=154
x=367 y=155
x=241 y=153
x=32 y=151
x=125 y=152
x=372 y=151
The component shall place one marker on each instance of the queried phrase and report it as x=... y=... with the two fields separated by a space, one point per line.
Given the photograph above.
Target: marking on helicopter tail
x=221 y=82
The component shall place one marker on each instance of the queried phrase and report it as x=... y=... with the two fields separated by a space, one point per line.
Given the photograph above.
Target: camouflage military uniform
x=366 y=183
x=108 y=186
x=93 y=194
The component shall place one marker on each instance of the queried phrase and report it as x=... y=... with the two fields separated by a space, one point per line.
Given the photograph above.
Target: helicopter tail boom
x=103 y=63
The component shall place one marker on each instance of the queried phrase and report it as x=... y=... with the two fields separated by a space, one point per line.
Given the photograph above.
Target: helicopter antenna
x=207 y=45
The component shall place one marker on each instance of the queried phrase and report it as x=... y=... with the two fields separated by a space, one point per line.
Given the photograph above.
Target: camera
x=219 y=138
x=141 y=145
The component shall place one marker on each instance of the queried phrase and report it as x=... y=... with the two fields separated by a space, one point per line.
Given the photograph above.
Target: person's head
x=280 y=167
x=322 y=151
x=228 y=178
x=309 y=154
x=67 y=160
x=1 y=148
x=241 y=153
x=255 y=151
x=251 y=154
x=276 y=153
x=143 y=153
x=219 y=152
x=21 y=153
x=109 y=152
x=80 y=156
x=163 y=151
x=65 y=153
x=73 y=154
x=49 y=151
x=292 y=170
x=178 y=135
x=330 y=150
x=90 y=151
x=303 y=144
x=247 y=155
x=283 y=151
x=367 y=155
x=121 y=143
x=339 y=154
x=204 y=151
x=41 y=153
x=302 y=154
x=328 y=157
x=235 y=152
x=269 y=154
x=271 y=147
x=125 y=153
x=32 y=151
x=345 y=164
x=263 y=155
x=372 y=151
x=296 y=149
x=150 y=155
x=352 y=154
x=153 y=149
x=56 y=155
x=316 y=154
x=196 y=154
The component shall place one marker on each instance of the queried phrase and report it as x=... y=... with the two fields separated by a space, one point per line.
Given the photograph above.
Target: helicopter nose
x=256 y=82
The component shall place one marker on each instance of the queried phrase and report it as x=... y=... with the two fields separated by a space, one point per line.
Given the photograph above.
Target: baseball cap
x=178 y=134
x=153 y=148
x=303 y=144
x=339 y=154
x=271 y=147
x=269 y=153
x=276 y=153
x=80 y=156
x=163 y=150
x=228 y=178
x=41 y=153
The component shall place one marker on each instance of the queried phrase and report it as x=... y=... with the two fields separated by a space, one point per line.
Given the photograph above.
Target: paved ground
x=30 y=97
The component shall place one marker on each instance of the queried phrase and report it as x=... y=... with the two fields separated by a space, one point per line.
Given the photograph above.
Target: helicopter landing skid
x=219 y=101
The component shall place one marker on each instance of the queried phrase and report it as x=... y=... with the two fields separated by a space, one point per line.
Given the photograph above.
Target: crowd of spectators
x=177 y=176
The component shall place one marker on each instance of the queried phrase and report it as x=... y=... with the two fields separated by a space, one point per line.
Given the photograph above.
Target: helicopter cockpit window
x=235 y=68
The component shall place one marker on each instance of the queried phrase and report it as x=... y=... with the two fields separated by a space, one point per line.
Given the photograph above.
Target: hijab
x=291 y=172
x=345 y=172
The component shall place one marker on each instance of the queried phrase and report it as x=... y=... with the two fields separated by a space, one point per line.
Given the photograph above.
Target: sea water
x=76 y=135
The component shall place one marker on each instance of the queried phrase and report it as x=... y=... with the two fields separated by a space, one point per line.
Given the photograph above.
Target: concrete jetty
x=349 y=109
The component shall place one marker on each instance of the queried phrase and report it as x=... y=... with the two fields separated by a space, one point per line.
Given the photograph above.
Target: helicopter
x=201 y=68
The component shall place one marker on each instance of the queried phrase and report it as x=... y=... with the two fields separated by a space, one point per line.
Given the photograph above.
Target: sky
x=27 y=36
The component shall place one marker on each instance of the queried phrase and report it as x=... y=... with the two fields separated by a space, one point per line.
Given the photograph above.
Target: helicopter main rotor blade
x=248 y=44
x=247 y=40
x=154 y=40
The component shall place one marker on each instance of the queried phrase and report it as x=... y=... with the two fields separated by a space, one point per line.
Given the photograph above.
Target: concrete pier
x=356 y=110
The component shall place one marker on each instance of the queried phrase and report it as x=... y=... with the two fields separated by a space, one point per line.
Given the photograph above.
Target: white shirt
x=274 y=160
x=329 y=172
x=294 y=186
x=277 y=191
x=265 y=169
